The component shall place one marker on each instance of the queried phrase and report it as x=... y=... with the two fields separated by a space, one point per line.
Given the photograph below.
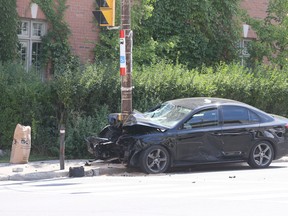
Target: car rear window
x=239 y=115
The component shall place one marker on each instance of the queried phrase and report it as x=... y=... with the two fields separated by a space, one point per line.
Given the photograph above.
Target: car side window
x=204 y=118
x=234 y=115
x=253 y=117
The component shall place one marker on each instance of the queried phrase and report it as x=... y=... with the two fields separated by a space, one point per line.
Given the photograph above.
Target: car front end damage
x=122 y=142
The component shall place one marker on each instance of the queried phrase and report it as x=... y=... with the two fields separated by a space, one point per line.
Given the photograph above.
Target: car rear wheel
x=155 y=159
x=261 y=155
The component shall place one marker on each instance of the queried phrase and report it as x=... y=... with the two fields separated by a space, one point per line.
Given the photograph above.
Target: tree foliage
x=55 y=45
x=272 y=40
x=8 y=30
x=194 y=32
x=190 y=32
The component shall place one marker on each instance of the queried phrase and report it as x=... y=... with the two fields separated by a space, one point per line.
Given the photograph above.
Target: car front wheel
x=261 y=155
x=155 y=159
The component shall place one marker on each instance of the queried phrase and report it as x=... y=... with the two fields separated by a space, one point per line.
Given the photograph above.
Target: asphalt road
x=207 y=190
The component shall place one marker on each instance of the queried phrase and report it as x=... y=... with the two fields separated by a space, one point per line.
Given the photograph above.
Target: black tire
x=155 y=159
x=261 y=155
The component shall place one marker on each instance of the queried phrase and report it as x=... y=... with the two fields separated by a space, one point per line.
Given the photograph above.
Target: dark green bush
x=264 y=87
x=79 y=127
x=25 y=100
x=82 y=97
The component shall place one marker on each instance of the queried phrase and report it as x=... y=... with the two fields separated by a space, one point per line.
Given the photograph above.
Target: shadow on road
x=218 y=168
x=132 y=171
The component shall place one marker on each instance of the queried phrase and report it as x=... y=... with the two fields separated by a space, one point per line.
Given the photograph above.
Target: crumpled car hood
x=140 y=119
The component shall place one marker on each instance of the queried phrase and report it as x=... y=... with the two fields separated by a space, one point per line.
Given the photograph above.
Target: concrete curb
x=34 y=176
x=50 y=169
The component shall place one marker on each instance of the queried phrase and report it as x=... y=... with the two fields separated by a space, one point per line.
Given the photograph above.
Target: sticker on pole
x=122 y=53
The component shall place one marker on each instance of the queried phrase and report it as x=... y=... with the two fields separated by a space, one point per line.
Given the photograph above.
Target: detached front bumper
x=103 y=148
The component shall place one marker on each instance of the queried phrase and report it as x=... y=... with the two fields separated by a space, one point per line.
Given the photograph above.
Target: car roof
x=197 y=102
x=192 y=103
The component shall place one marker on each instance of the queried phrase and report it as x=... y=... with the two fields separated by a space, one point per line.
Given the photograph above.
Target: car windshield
x=167 y=114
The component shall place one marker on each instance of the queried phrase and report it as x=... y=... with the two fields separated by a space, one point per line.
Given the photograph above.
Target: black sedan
x=191 y=131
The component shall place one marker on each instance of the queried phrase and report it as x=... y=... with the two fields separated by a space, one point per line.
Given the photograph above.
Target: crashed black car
x=193 y=131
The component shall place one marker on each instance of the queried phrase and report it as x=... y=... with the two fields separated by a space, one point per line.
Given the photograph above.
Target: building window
x=36 y=49
x=23 y=29
x=38 y=29
x=244 y=54
x=23 y=53
x=29 y=49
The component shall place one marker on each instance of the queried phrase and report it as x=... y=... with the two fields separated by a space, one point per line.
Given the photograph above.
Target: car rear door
x=239 y=128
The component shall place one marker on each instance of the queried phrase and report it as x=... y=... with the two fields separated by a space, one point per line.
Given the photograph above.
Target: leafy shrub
x=24 y=99
x=80 y=127
x=160 y=82
x=87 y=94
x=264 y=87
x=80 y=97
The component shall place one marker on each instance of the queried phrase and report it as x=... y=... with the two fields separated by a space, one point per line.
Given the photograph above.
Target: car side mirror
x=186 y=126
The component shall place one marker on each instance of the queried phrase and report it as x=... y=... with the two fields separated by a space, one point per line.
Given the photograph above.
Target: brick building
x=84 y=30
x=78 y=16
x=256 y=9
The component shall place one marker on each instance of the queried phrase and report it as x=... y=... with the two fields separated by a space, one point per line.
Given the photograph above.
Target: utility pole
x=126 y=77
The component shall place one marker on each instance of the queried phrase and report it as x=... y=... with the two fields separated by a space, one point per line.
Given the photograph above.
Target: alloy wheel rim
x=156 y=160
x=262 y=154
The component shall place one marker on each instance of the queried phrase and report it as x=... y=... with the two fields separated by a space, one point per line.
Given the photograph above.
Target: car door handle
x=232 y=134
x=217 y=133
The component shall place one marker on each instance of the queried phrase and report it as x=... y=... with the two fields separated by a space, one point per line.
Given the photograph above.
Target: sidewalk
x=51 y=169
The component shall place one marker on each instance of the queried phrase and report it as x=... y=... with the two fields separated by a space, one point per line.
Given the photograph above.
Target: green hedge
x=265 y=88
x=82 y=97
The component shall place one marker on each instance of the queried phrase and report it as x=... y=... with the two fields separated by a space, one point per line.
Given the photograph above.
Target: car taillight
x=286 y=126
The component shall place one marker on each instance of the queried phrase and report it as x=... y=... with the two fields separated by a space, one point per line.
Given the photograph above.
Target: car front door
x=199 y=139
